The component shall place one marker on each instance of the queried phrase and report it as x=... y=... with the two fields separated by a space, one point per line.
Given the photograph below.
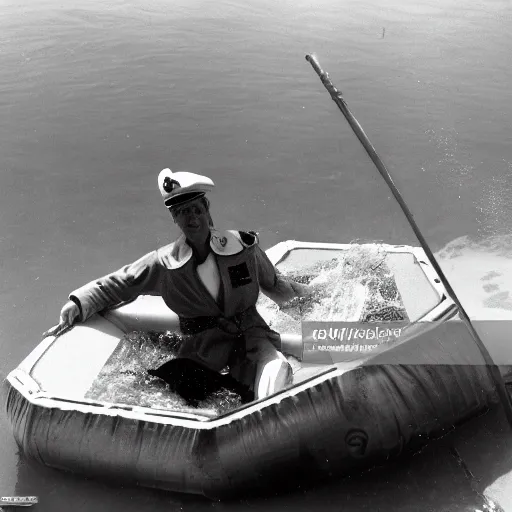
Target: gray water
x=96 y=98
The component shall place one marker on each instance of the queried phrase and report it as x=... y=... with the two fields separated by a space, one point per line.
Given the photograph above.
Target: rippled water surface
x=96 y=98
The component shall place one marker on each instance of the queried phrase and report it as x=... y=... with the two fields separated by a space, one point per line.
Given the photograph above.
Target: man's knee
x=272 y=376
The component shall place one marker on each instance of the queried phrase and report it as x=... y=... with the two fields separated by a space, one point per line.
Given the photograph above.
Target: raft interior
x=103 y=361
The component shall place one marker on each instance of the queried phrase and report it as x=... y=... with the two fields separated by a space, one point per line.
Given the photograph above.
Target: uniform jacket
x=170 y=272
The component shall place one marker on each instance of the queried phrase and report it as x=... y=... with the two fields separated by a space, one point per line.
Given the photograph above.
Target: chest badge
x=239 y=275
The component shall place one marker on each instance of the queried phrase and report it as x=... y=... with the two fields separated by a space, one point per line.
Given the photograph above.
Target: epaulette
x=249 y=238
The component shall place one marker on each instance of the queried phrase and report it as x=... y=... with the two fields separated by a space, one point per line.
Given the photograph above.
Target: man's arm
x=273 y=284
x=141 y=277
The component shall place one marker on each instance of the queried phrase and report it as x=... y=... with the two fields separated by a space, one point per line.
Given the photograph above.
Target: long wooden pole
x=365 y=141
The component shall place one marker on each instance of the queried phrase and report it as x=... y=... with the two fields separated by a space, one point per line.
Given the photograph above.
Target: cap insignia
x=169 y=184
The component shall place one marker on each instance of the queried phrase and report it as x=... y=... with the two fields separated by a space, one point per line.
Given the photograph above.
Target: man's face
x=192 y=219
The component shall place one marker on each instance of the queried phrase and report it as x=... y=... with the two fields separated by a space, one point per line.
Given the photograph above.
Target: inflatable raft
x=347 y=409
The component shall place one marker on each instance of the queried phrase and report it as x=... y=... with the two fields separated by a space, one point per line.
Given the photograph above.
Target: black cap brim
x=181 y=199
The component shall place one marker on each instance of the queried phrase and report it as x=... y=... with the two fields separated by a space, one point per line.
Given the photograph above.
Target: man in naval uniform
x=211 y=279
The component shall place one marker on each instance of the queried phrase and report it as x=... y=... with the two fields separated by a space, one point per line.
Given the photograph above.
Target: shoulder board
x=249 y=238
x=226 y=243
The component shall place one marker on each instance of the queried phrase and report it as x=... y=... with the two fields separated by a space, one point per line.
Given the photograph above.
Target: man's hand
x=68 y=316
x=302 y=290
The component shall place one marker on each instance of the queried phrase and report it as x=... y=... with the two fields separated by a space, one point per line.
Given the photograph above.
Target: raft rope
x=365 y=141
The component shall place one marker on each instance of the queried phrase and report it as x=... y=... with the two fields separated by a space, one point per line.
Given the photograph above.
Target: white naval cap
x=180 y=187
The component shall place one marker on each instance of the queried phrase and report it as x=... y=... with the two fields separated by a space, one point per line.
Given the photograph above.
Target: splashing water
x=483 y=190
x=357 y=286
x=480 y=271
x=124 y=378
x=495 y=206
